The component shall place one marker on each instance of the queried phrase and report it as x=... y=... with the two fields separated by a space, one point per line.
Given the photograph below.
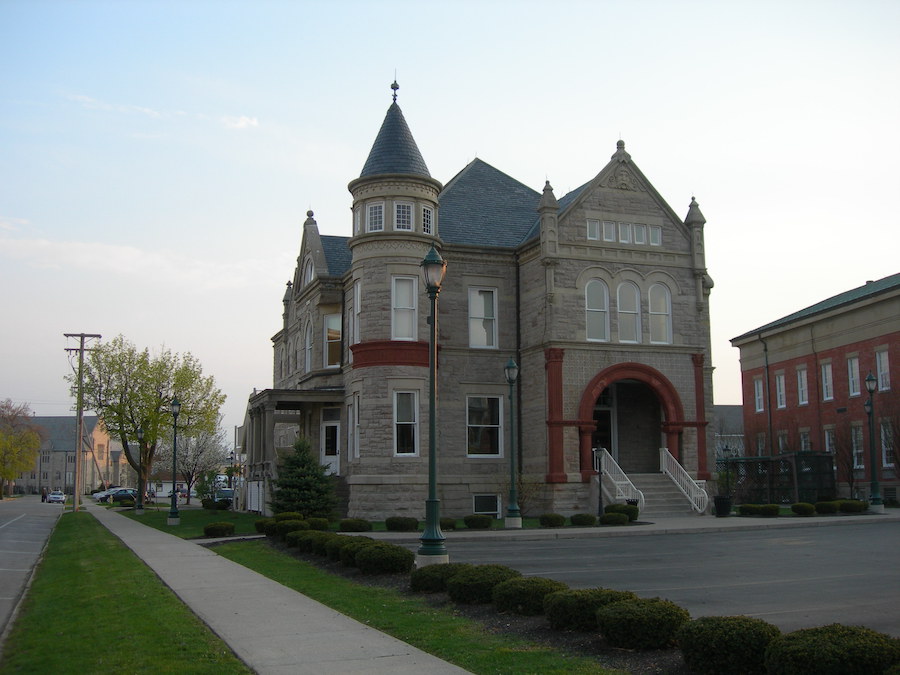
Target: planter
x=722 y=504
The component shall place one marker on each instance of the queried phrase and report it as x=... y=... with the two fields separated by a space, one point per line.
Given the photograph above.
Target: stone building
x=600 y=297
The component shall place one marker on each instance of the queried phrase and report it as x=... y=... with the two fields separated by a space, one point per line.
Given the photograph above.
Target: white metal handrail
x=690 y=488
x=614 y=479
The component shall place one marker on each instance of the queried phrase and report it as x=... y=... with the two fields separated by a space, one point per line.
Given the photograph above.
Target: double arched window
x=628 y=300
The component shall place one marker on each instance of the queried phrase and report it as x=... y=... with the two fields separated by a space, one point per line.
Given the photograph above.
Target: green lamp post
x=875 y=503
x=174 y=518
x=513 y=518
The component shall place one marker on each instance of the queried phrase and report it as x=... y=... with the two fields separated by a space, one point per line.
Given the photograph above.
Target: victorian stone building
x=600 y=296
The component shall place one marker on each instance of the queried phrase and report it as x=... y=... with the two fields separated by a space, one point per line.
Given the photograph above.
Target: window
x=887 y=443
x=660 y=315
x=829 y=441
x=856 y=443
x=482 y=317
x=375 y=218
x=486 y=504
x=780 y=399
x=405 y=423
x=309 y=272
x=403 y=308
x=827 y=386
x=782 y=442
x=883 y=370
x=759 y=394
x=609 y=230
x=332 y=340
x=640 y=233
x=596 y=305
x=357 y=305
x=760 y=444
x=593 y=229
x=357 y=220
x=853 y=375
x=330 y=440
x=427 y=220
x=624 y=233
x=403 y=216
x=802 y=387
x=307 y=347
x=629 y=305
x=655 y=235
x=805 y=445
x=483 y=426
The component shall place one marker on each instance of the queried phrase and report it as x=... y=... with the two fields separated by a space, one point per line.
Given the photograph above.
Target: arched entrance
x=634 y=410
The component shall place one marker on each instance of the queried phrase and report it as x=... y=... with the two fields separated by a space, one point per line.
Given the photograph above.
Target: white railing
x=691 y=489
x=614 y=481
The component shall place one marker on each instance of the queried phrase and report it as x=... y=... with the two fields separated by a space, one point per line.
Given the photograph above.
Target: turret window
x=427 y=215
x=403 y=219
x=375 y=218
x=403 y=303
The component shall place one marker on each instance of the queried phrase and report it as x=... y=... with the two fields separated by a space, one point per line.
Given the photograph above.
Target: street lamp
x=231 y=473
x=432 y=550
x=875 y=503
x=139 y=509
x=173 y=518
x=513 y=515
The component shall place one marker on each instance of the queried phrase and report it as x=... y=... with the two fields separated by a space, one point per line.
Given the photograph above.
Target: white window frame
x=609 y=230
x=639 y=233
x=830 y=437
x=333 y=320
x=624 y=233
x=802 y=386
x=599 y=313
x=485 y=325
x=407 y=221
x=805 y=444
x=307 y=347
x=655 y=235
x=853 y=383
x=498 y=402
x=410 y=423
x=408 y=311
x=657 y=314
x=482 y=497
x=886 y=431
x=427 y=220
x=593 y=229
x=375 y=217
x=357 y=220
x=780 y=395
x=629 y=317
x=827 y=382
x=857 y=447
x=357 y=310
x=759 y=394
x=883 y=370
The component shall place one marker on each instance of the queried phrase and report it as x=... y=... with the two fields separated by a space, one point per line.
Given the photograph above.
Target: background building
x=803 y=380
x=601 y=297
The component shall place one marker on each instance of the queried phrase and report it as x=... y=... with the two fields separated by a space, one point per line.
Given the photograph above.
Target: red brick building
x=804 y=384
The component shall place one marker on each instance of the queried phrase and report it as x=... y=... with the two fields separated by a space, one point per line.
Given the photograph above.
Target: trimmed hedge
x=282 y=527
x=525 y=595
x=645 y=623
x=320 y=524
x=826 y=507
x=271 y=528
x=478 y=521
x=764 y=510
x=832 y=650
x=292 y=539
x=355 y=525
x=351 y=548
x=383 y=558
x=261 y=523
x=289 y=515
x=433 y=578
x=552 y=520
x=803 y=509
x=614 y=519
x=475 y=585
x=583 y=519
x=577 y=609
x=448 y=524
x=726 y=645
x=401 y=524
x=628 y=509
x=218 y=529
x=852 y=506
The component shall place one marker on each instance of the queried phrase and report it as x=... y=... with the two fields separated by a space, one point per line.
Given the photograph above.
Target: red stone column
x=553 y=362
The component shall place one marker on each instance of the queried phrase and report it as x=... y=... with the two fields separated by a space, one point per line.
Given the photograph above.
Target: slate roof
x=60 y=432
x=482 y=206
x=337 y=254
x=868 y=290
x=395 y=149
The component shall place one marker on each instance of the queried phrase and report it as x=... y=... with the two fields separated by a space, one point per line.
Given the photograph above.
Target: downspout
x=767 y=395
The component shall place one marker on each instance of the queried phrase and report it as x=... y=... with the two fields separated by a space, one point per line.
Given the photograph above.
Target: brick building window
x=827 y=384
x=802 y=387
x=759 y=398
x=887 y=443
x=853 y=375
x=780 y=398
x=856 y=444
x=883 y=369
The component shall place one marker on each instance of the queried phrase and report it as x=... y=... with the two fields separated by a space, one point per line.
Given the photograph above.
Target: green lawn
x=193 y=520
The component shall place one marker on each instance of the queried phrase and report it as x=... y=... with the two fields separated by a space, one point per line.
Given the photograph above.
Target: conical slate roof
x=394 y=150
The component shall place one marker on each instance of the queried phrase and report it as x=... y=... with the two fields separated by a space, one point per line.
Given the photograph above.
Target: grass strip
x=437 y=631
x=94 y=607
x=192 y=521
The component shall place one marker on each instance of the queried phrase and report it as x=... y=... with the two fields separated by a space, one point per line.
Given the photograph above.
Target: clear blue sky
x=157 y=159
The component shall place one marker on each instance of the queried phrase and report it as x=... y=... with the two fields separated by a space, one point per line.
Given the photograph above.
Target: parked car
x=224 y=495
x=118 y=495
x=56 y=497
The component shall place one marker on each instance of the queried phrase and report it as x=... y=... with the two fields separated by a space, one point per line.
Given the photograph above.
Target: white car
x=56 y=497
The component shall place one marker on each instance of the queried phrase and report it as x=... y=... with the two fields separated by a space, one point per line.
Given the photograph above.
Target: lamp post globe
x=876 y=505
x=513 y=518
x=432 y=551
x=174 y=518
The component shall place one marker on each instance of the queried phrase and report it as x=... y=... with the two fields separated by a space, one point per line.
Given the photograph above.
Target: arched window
x=660 y=314
x=309 y=272
x=596 y=308
x=628 y=299
x=307 y=360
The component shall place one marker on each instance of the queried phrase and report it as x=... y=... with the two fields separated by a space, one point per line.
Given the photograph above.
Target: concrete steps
x=661 y=496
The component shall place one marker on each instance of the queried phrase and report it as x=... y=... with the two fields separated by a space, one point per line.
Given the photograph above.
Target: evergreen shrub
x=334 y=545
x=292 y=539
x=383 y=558
x=318 y=543
x=525 y=595
x=749 y=509
x=218 y=529
x=318 y=523
x=726 y=645
x=576 y=609
x=303 y=539
x=832 y=650
x=583 y=519
x=803 y=509
x=355 y=525
x=826 y=507
x=401 y=524
x=302 y=484
x=351 y=547
x=260 y=524
x=552 y=520
x=628 y=509
x=645 y=623
x=289 y=515
x=769 y=510
x=282 y=527
x=852 y=506
x=448 y=524
x=478 y=521
x=270 y=529
x=433 y=578
x=614 y=519
x=475 y=586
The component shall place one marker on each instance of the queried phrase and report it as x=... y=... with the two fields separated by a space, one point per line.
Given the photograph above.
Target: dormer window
x=375 y=218
x=403 y=219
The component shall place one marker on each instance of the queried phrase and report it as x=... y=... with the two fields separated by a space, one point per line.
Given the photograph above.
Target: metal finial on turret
x=395 y=87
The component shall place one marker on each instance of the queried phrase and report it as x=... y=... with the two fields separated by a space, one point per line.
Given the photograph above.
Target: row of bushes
x=721 y=645
x=805 y=509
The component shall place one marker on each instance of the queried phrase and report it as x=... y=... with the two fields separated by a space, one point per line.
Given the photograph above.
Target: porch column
x=553 y=361
x=700 y=402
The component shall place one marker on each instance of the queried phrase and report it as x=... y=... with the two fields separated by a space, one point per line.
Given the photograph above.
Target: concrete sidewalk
x=270 y=627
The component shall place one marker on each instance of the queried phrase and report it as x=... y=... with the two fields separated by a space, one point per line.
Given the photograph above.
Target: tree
x=201 y=453
x=20 y=441
x=302 y=484
x=131 y=389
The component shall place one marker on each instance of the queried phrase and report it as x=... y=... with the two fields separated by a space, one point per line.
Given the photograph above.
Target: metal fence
x=783 y=479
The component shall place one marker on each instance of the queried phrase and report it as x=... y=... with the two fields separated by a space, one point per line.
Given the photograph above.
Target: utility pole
x=82 y=337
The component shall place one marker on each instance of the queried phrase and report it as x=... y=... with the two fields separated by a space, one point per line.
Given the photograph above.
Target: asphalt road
x=795 y=578
x=25 y=526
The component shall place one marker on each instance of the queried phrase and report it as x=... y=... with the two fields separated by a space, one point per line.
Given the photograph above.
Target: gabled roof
x=482 y=206
x=337 y=254
x=60 y=433
x=395 y=149
x=869 y=290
